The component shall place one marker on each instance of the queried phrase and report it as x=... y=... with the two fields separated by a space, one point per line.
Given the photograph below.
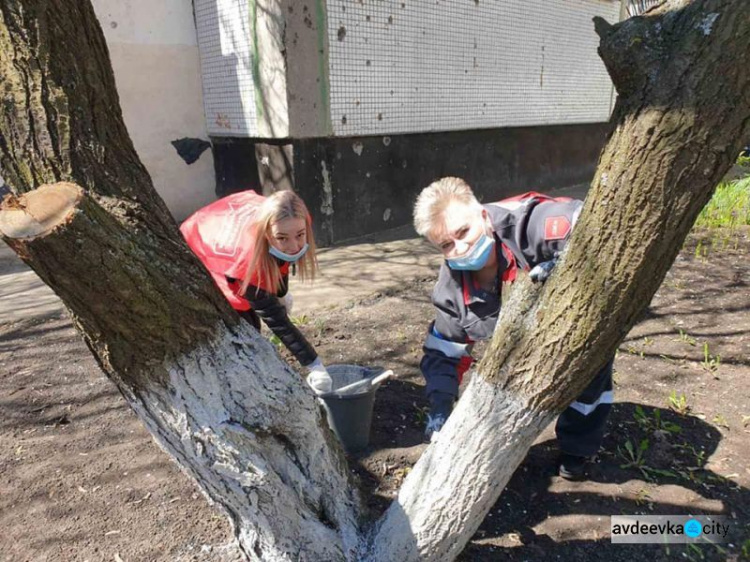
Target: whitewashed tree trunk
x=239 y=420
x=681 y=119
x=217 y=397
x=231 y=413
x=458 y=479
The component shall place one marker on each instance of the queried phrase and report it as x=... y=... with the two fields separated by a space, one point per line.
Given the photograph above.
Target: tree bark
x=217 y=397
x=681 y=116
x=214 y=394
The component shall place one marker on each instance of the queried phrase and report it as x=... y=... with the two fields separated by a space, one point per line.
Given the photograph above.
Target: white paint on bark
x=246 y=427
x=459 y=477
x=707 y=24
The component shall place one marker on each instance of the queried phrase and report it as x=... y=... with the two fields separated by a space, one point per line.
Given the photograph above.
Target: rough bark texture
x=217 y=397
x=60 y=120
x=125 y=287
x=683 y=112
x=214 y=394
x=61 y=117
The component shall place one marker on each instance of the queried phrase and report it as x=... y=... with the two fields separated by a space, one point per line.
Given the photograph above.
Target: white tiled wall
x=637 y=7
x=225 y=40
x=406 y=66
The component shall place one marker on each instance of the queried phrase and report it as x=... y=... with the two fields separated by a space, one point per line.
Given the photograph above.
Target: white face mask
x=275 y=252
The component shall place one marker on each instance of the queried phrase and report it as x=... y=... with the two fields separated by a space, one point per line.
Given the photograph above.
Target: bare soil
x=81 y=479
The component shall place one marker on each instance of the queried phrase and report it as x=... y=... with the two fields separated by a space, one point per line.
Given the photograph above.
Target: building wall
x=225 y=36
x=155 y=58
x=408 y=66
x=358 y=105
x=315 y=68
x=361 y=185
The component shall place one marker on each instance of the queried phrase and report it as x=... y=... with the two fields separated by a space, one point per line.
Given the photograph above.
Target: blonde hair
x=434 y=198
x=263 y=268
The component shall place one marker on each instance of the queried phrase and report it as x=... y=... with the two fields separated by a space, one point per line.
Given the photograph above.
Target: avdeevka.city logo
x=629 y=529
x=693 y=528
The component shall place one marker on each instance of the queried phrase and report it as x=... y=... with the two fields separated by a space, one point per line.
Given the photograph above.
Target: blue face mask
x=476 y=258
x=287 y=257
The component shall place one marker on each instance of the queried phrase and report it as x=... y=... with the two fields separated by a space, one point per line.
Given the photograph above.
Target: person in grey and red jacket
x=484 y=247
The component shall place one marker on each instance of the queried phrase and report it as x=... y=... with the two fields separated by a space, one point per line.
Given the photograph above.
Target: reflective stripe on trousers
x=580 y=428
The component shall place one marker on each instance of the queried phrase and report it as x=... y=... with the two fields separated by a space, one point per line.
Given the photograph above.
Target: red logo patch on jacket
x=556 y=228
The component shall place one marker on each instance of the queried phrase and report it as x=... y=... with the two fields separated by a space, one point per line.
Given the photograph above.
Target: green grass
x=729 y=207
x=655 y=423
x=720 y=225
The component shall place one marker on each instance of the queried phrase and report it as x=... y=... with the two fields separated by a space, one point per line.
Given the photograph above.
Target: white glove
x=542 y=271
x=319 y=379
x=288 y=303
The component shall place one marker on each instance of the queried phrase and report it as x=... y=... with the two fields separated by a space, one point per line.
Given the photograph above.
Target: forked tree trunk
x=217 y=397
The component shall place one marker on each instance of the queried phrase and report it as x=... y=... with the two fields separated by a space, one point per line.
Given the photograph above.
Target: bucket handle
x=366 y=382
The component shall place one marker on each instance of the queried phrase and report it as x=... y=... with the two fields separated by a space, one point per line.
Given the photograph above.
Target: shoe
x=434 y=425
x=572 y=467
x=441 y=406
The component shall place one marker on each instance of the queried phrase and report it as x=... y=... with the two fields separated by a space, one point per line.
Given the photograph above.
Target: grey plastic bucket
x=350 y=415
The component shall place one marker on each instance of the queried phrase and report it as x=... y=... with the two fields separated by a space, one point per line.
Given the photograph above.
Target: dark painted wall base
x=357 y=186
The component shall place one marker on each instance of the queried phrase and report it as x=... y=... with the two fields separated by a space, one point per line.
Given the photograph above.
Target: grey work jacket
x=528 y=229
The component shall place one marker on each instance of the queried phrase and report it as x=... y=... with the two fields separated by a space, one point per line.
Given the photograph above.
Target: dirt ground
x=80 y=479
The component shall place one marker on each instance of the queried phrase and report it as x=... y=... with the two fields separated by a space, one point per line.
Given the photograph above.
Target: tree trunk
x=216 y=396
x=683 y=112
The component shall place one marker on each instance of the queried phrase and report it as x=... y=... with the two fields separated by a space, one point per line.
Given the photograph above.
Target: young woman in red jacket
x=249 y=243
